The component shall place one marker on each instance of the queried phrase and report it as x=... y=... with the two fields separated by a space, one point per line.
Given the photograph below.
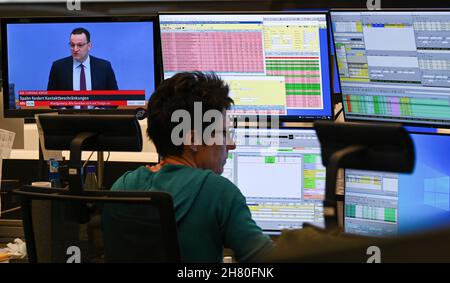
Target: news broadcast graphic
x=78 y=63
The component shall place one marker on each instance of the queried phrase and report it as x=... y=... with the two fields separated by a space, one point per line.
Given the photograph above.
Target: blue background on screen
x=129 y=47
x=423 y=207
x=414 y=129
x=336 y=84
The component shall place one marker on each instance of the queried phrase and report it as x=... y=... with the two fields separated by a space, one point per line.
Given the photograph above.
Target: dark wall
x=362 y=4
x=149 y=7
x=131 y=7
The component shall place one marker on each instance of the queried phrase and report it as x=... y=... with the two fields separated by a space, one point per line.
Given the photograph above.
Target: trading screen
x=394 y=66
x=389 y=204
x=275 y=64
x=281 y=175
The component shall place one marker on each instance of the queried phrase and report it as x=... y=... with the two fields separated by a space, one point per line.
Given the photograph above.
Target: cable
x=85 y=163
x=10 y=210
x=338 y=113
x=109 y=153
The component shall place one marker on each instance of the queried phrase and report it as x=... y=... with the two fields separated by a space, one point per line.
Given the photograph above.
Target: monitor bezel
x=393 y=10
x=29 y=113
x=282 y=118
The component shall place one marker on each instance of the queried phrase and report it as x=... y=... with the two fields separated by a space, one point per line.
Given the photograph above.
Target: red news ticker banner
x=43 y=98
x=81 y=92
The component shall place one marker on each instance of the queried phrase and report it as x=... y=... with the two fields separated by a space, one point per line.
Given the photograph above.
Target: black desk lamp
x=360 y=146
x=92 y=133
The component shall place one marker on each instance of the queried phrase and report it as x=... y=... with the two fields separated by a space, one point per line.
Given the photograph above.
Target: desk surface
x=143 y=157
x=31 y=143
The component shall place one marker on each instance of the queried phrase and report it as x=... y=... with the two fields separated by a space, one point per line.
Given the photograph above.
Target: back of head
x=181 y=92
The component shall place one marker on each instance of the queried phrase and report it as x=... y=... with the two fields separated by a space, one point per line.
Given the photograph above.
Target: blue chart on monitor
x=385 y=204
x=275 y=64
x=394 y=66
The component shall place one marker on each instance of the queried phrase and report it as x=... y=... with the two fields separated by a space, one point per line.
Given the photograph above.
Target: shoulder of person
x=65 y=60
x=221 y=184
x=129 y=178
x=97 y=60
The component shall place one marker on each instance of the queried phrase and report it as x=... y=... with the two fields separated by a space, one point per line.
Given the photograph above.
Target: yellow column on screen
x=257 y=90
x=293 y=38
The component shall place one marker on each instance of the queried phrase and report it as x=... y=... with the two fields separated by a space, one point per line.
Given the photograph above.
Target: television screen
x=78 y=64
x=275 y=64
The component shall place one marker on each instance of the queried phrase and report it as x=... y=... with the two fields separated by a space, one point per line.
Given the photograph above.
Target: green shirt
x=211 y=212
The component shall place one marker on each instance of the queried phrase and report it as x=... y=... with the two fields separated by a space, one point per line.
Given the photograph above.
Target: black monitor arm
x=75 y=165
x=330 y=203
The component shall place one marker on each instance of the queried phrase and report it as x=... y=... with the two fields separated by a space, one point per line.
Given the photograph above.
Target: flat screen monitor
x=275 y=64
x=394 y=66
x=390 y=204
x=42 y=69
x=280 y=173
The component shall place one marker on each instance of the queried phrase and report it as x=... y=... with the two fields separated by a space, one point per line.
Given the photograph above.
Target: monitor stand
x=100 y=168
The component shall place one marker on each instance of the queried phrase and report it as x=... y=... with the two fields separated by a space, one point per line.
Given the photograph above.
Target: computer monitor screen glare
x=275 y=64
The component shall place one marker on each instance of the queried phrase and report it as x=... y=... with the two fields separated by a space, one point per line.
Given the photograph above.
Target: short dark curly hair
x=181 y=92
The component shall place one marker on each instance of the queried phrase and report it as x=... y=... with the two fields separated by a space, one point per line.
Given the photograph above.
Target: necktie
x=82 y=82
x=82 y=78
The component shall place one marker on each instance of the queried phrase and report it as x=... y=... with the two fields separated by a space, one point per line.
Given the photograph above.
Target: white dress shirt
x=87 y=74
x=77 y=72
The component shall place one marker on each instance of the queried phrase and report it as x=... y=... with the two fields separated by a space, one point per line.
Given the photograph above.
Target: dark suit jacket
x=61 y=75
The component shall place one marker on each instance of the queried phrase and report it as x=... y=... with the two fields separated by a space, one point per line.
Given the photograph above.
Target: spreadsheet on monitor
x=394 y=66
x=281 y=175
x=275 y=64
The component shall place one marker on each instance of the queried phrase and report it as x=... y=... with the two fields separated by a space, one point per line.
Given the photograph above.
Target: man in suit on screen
x=81 y=71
